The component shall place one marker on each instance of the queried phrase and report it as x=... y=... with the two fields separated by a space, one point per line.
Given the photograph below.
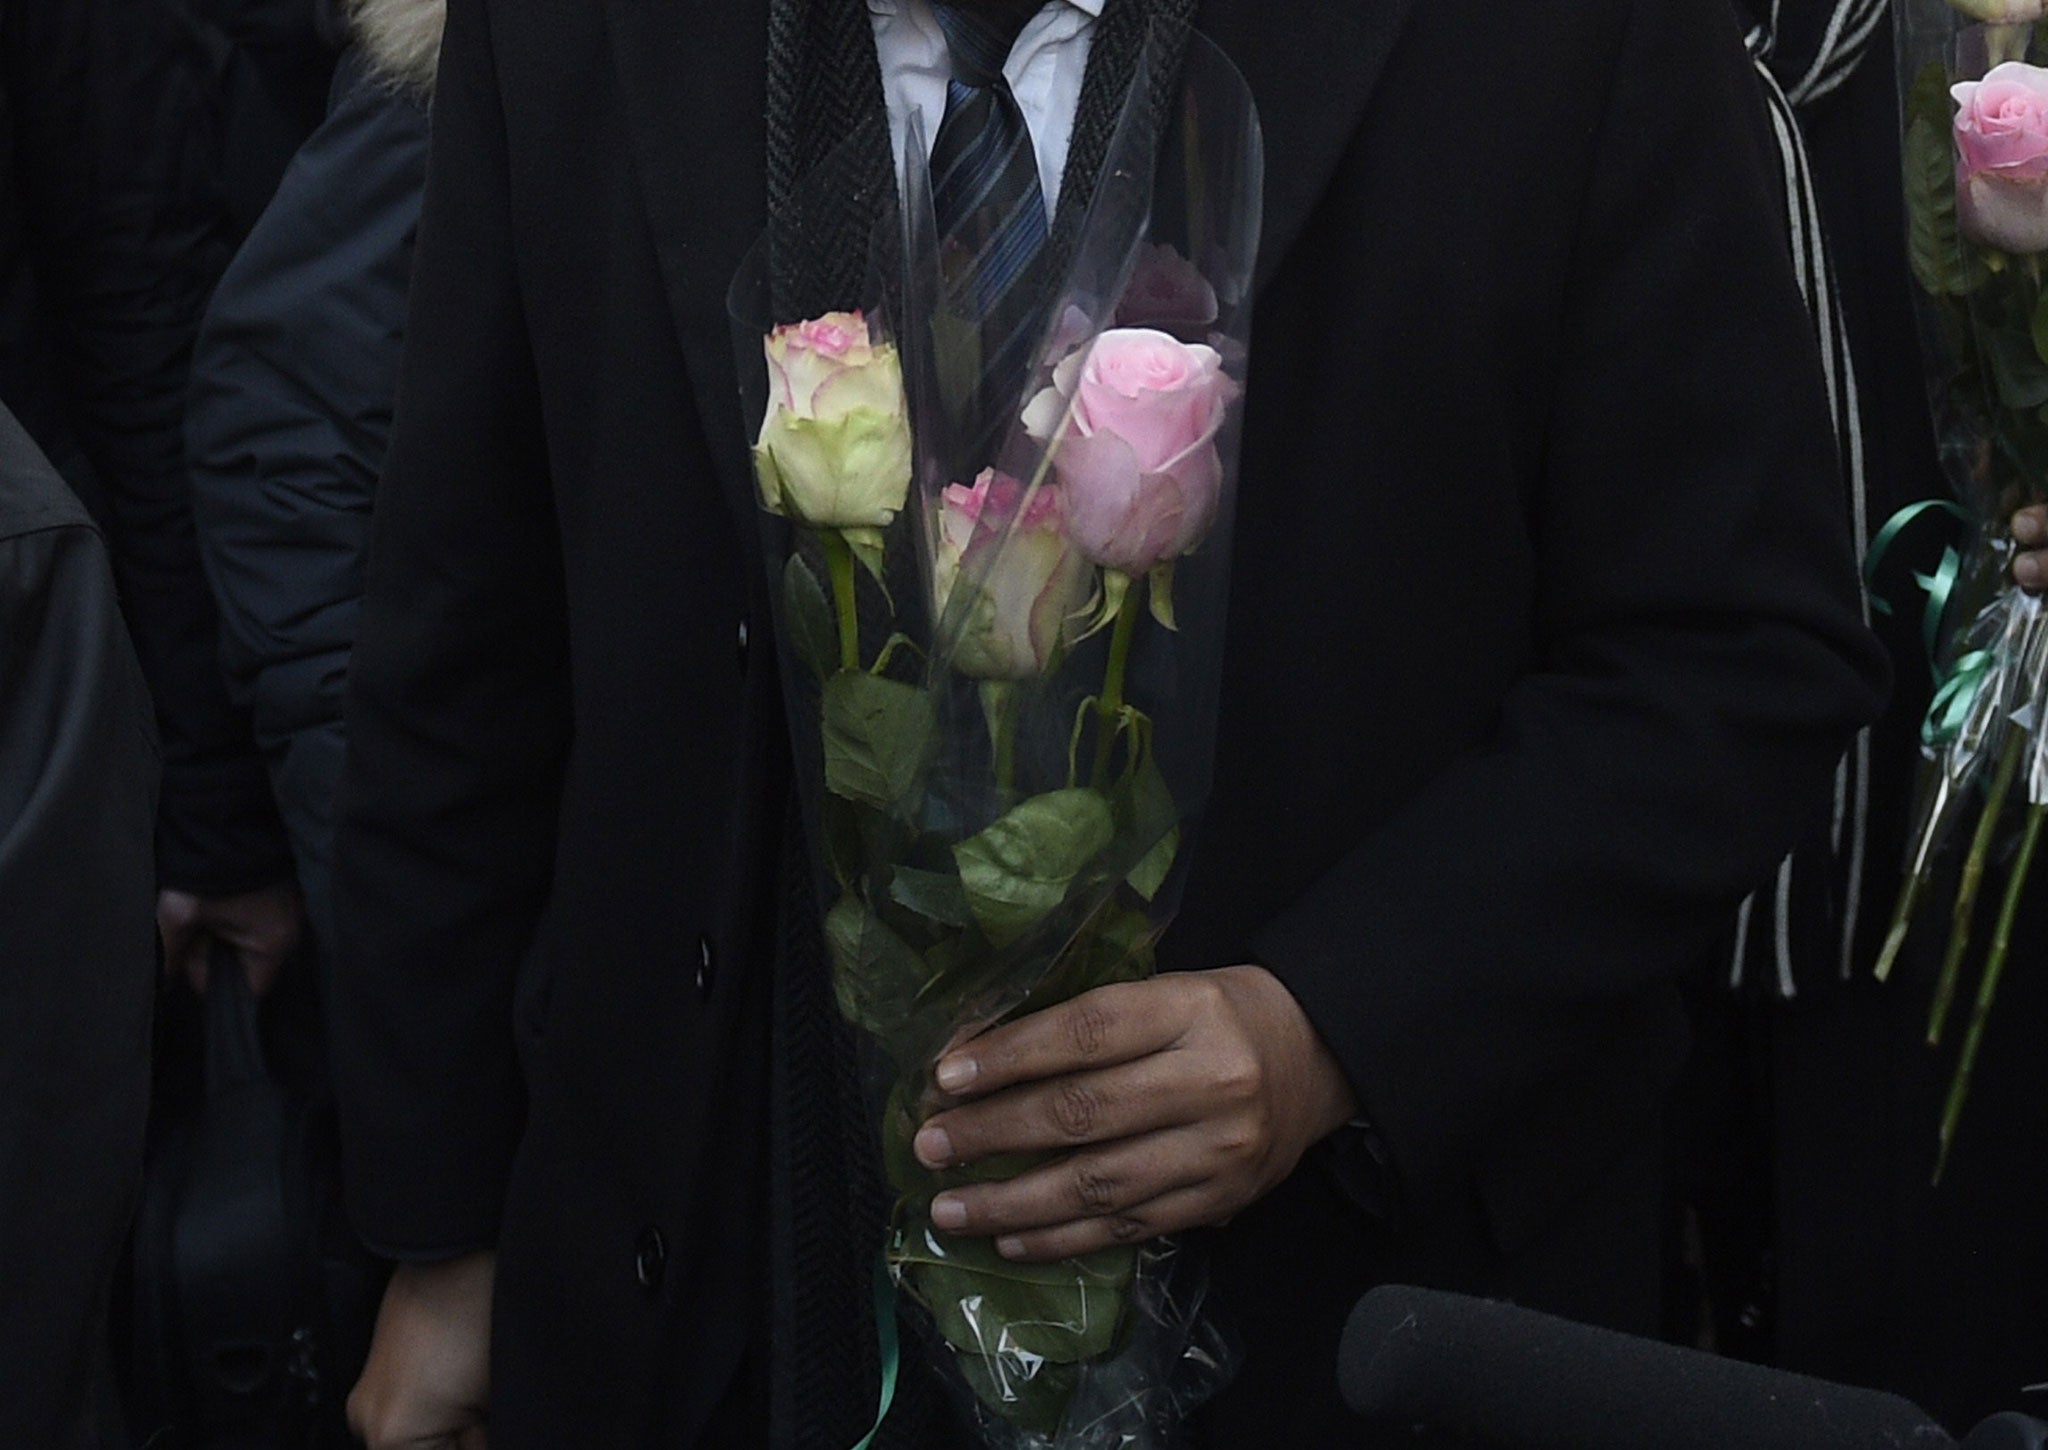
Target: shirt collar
x=1091 y=8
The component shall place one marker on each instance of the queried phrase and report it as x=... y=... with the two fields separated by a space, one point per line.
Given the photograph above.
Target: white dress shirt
x=1044 y=71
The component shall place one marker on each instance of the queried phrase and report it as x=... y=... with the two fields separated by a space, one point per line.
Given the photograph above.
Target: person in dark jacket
x=78 y=781
x=1879 y=1277
x=293 y=381
x=1544 y=643
x=111 y=235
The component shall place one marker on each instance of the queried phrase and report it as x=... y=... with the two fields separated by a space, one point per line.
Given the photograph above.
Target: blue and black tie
x=990 y=212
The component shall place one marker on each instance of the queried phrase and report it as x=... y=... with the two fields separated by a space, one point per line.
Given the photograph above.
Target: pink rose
x=2001 y=135
x=1139 y=473
x=1029 y=584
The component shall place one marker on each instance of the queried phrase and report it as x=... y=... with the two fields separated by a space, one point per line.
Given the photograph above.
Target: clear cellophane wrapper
x=1003 y=676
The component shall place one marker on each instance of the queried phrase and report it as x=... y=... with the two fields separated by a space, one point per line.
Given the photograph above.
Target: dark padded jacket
x=293 y=381
x=78 y=779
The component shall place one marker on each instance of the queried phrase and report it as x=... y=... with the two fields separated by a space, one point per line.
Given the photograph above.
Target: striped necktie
x=990 y=212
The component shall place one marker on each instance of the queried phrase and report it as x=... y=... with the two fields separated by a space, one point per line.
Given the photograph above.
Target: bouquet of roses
x=1002 y=656
x=1974 y=75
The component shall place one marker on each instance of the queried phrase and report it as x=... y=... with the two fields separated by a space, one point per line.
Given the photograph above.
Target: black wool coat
x=1543 y=647
x=78 y=782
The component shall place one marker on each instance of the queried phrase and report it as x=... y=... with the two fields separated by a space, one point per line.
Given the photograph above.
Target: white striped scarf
x=1787 y=87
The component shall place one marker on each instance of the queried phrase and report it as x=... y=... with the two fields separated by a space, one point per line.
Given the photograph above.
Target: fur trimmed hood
x=403 y=38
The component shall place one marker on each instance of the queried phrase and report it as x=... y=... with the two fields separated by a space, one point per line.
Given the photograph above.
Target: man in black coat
x=1543 y=647
x=78 y=782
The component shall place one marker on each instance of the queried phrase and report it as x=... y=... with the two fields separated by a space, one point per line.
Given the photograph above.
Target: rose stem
x=839 y=562
x=999 y=705
x=1112 y=703
x=1902 y=924
x=1994 y=968
x=1973 y=879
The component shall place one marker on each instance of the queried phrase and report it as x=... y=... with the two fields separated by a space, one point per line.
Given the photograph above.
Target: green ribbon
x=885 y=1343
x=1939 y=585
x=1956 y=699
x=1957 y=689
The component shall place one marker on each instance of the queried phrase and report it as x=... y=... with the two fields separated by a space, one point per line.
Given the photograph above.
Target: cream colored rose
x=834 y=449
x=2002 y=12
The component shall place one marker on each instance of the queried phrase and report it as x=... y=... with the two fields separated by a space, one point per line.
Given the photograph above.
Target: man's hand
x=263 y=927
x=429 y=1374
x=1178 y=1100
x=2030 y=529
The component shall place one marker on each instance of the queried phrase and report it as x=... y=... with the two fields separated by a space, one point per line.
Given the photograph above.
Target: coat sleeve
x=290 y=417
x=78 y=780
x=458 y=715
x=126 y=229
x=1702 y=660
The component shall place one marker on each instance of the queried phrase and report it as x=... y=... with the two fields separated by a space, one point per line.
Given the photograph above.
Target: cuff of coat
x=432 y=1186
x=1356 y=1160
x=1352 y=968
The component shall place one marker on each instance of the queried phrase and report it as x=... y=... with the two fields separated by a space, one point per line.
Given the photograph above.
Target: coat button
x=650 y=1261
x=743 y=646
x=704 y=966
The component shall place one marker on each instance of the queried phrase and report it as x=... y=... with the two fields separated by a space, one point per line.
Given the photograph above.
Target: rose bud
x=2001 y=134
x=1139 y=474
x=1034 y=586
x=834 y=449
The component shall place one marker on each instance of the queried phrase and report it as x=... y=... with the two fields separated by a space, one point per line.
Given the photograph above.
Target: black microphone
x=1514 y=1379
x=2008 y=1432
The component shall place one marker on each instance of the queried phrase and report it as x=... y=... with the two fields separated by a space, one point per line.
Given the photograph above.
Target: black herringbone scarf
x=826 y=110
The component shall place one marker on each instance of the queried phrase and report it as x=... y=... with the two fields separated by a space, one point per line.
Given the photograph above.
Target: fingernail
x=955 y=1073
x=934 y=1148
x=949 y=1212
x=2028 y=528
x=2028 y=571
x=1010 y=1248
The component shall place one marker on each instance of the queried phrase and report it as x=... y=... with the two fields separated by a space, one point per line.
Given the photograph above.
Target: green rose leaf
x=1942 y=262
x=871 y=548
x=878 y=736
x=2016 y=369
x=1148 y=826
x=1115 y=946
x=2040 y=328
x=933 y=895
x=1019 y=869
x=875 y=973
x=810 y=618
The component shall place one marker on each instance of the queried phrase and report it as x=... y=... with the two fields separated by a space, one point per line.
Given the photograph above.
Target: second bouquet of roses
x=1976 y=176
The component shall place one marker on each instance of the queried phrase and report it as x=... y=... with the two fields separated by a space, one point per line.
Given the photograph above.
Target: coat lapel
x=686 y=70
x=1312 y=66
